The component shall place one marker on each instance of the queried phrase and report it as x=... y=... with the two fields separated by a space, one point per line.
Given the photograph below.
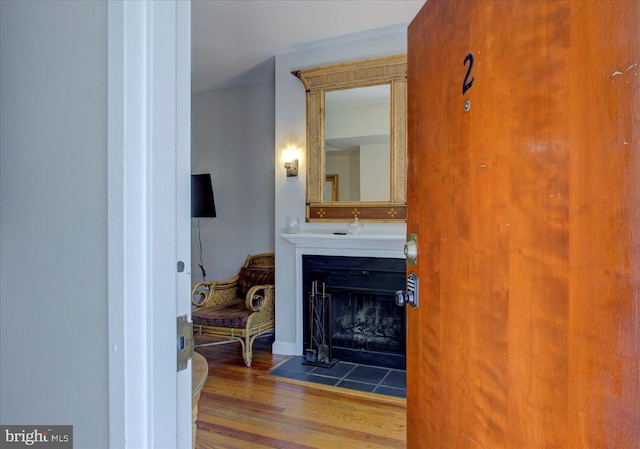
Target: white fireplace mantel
x=326 y=244
x=368 y=245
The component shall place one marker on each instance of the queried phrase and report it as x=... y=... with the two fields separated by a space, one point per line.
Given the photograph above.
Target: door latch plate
x=185 y=341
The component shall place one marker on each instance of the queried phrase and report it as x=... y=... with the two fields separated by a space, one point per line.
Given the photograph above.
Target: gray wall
x=232 y=135
x=53 y=232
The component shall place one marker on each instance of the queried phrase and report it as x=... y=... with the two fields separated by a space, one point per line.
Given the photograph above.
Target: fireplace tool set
x=319 y=351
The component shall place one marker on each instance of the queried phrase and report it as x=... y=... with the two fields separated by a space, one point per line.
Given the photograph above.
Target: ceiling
x=234 y=41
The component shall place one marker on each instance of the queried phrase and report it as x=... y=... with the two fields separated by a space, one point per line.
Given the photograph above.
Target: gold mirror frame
x=390 y=70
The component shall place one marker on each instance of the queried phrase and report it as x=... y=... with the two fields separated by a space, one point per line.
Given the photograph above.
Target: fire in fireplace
x=366 y=326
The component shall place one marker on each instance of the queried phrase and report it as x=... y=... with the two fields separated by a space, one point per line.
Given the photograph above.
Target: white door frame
x=148 y=221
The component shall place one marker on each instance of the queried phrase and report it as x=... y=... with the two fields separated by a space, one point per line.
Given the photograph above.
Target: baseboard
x=284 y=348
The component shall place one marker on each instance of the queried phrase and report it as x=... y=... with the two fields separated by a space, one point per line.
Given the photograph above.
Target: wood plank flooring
x=243 y=408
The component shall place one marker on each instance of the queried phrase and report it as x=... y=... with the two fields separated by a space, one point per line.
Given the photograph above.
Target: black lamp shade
x=202 y=202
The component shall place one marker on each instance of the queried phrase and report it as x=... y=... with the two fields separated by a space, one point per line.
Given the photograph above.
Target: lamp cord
x=201 y=265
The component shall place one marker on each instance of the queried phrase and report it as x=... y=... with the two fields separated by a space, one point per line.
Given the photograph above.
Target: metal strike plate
x=185 y=341
x=411 y=249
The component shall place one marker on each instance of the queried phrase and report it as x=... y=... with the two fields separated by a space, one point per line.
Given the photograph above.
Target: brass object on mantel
x=389 y=70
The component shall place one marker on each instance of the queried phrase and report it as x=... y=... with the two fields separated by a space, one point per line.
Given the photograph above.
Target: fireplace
x=364 y=324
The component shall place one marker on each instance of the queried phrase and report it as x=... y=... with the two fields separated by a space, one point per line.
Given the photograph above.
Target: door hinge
x=185 y=341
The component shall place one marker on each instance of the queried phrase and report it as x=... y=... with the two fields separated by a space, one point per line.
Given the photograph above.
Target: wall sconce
x=290 y=161
x=292 y=167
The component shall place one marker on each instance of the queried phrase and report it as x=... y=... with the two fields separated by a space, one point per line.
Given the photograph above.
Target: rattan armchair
x=239 y=309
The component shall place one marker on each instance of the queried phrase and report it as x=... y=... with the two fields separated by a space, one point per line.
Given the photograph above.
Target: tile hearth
x=353 y=376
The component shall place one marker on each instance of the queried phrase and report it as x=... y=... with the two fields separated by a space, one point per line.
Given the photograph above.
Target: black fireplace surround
x=367 y=326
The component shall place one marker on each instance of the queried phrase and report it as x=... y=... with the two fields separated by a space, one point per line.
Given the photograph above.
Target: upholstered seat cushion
x=231 y=314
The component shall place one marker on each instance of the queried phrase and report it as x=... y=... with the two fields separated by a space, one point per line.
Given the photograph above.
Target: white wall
x=290 y=127
x=375 y=162
x=372 y=119
x=232 y=138
x=345 y=164
x=53 y=215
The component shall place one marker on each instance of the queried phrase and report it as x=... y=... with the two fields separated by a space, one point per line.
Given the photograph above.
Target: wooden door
x=527 y=209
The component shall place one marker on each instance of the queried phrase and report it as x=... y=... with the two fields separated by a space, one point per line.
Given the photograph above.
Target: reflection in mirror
x=357 y=142
x=331 y=187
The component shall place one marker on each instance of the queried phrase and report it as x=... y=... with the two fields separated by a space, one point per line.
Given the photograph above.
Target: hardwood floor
x=243 y=408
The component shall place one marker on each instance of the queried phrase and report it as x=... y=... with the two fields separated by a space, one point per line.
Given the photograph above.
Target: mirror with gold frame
x=324 y=201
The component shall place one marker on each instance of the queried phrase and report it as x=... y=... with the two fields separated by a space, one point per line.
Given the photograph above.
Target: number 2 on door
x=466 y=84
